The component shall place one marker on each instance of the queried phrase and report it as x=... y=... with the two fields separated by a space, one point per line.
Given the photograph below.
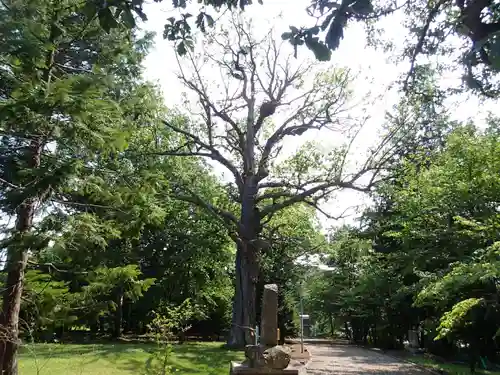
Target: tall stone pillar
x=269 y=316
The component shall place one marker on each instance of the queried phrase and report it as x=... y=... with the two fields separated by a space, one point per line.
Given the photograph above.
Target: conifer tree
x=62 y=81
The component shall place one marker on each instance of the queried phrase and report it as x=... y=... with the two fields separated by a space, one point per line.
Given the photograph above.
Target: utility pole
x=301 y=319
x=301 y=326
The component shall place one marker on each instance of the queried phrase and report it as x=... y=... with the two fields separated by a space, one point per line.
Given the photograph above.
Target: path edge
x=417 y=365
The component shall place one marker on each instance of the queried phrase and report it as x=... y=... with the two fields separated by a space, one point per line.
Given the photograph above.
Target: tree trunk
x=243 y=321
x=332 y=326
x=347 y=331
x=16 y=263
x=128 y=322
x=247 y=269
x=102 y=325
x=117 y=332
x=17 y=259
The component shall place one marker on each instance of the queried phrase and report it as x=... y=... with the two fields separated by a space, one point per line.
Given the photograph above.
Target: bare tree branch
x=229 y=220
x=198 y=87
x=269 y=209
x=213 y=152
x=423 y=34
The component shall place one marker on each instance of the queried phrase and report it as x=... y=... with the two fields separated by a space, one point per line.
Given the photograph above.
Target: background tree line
x=426 y=255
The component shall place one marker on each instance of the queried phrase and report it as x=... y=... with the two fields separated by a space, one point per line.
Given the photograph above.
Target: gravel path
x=351 y=360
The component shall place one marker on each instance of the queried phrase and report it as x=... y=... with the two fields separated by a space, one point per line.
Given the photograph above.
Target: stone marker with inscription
x=268 y=357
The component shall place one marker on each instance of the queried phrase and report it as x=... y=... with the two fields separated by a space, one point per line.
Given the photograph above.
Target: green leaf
x=294 y=30
x=335 y=33
x=314 y=30
x=181 y=48
x=286 y=36
x=210 y=20
x=89 y=9
x=141 y=14
x=179 y=3
x=320 y=50
x=200 y=21
x=128 y=18
x=57 y=31
x=106 y=20
x=494 y=54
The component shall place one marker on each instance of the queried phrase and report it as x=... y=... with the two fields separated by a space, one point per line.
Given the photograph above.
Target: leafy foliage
x=428 y=257
x=166 y=325
x=430 y=24
x=105 y=239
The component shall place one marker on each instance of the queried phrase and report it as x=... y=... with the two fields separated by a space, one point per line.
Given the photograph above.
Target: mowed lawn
x=122 y=359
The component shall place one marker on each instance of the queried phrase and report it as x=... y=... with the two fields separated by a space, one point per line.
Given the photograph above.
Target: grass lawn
x=122 y=359
x=449 y=368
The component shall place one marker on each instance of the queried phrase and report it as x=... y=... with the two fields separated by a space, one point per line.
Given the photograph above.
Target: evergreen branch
x=54 y=267
x=9 y=184
x=89 y=205
x=78 y=70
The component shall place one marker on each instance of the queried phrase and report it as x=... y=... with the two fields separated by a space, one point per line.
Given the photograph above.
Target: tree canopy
x=472 y=27
x=427 y=258
x=119 y=222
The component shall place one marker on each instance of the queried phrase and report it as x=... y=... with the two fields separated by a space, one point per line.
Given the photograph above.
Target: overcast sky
x=375 y=71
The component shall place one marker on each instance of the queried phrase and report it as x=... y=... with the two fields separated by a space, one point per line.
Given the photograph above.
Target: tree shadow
x=187 y=358
x=196 y=358
x=44 y=351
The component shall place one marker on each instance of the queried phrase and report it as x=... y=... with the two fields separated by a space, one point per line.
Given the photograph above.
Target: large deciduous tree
x=265 y=99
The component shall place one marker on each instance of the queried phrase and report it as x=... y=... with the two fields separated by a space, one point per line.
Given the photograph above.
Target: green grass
x=122 y=359
x=449 y=368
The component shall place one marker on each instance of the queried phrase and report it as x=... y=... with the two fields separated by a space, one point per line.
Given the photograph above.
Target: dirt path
x=351 y=360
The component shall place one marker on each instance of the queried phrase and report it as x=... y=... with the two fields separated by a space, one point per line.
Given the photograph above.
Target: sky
x=374 y=72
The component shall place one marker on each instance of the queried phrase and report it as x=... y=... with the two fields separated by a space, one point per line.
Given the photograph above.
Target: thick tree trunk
x=17 y=259
x=247 y=270
x=16 y=263
x=243 y=321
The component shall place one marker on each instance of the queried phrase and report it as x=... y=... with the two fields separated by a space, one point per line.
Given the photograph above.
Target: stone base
x=242 y=369
x=414 y=350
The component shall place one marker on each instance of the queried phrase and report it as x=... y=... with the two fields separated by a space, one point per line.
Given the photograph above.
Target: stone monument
x=269 y=316
x=414 y=345
x=267 y=357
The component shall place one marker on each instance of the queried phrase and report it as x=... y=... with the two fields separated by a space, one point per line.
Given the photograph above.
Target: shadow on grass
x=196 y=358
x=188 y=358
x=71 y=350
